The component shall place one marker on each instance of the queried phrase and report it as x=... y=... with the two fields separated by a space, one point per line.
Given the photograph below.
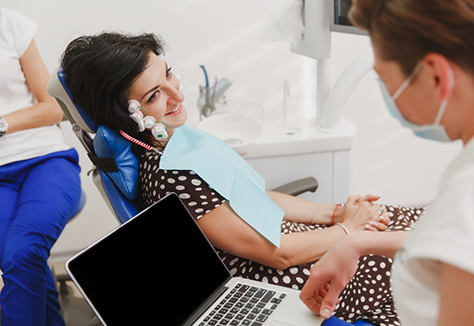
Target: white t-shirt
x=16 y=34
x=444 y=234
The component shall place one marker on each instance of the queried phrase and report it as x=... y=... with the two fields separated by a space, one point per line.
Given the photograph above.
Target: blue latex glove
x=333 y=321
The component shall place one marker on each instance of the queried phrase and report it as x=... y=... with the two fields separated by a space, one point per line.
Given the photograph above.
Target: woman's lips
x=176 y=111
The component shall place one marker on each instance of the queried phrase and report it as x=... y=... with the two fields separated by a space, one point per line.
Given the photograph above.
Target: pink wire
x=138 y=142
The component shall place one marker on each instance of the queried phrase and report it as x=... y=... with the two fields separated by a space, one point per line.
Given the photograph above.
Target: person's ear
x=441 y=74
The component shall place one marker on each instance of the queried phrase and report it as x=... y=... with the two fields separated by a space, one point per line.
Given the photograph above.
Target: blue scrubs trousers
x=37 y=198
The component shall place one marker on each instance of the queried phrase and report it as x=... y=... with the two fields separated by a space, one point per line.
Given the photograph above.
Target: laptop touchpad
x=279 y=323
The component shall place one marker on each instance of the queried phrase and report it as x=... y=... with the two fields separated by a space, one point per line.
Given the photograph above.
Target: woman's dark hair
x=407 y=30
x=99 y=72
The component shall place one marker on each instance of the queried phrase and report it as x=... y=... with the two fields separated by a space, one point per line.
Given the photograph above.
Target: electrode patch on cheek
x=144 y=121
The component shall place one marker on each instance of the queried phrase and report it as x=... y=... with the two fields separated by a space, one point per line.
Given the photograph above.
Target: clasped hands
x=361 y=213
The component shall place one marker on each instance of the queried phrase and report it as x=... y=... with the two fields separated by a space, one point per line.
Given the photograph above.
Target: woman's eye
x=154 y=96
x=168 y=73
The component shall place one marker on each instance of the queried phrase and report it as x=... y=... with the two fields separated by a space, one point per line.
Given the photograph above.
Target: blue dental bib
x=229 y=174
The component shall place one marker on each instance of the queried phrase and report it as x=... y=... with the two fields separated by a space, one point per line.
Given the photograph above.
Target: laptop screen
x=157 y=268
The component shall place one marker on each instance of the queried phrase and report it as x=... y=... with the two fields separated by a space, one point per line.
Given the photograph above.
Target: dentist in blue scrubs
x=424 y=55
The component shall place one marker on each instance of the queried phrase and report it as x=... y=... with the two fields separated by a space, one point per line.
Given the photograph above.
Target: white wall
x=223 y=36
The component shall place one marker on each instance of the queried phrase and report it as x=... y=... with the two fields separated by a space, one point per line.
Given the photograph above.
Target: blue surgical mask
x=434 y=131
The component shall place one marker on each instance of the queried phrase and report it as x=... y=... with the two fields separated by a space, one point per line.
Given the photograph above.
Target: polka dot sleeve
x=195 y=193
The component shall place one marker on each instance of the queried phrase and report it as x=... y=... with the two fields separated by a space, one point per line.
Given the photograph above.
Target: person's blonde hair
x=407 y=30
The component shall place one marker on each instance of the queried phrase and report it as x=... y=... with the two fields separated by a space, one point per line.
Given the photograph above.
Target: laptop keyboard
x=244 y=305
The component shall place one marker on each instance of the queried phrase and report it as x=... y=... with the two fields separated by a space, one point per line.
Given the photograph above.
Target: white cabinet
x=285 y=154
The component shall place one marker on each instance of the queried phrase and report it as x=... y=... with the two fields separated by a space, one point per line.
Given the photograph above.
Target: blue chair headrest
x=108 y=143
x=85 y=117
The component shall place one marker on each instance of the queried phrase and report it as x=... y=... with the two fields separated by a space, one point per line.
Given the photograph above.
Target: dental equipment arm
x=208 y=105
x=209 y=96
x=220 y=88
x=337 y=98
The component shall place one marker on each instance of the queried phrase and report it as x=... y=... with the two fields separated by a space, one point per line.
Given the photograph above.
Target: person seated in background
x=122 y=81
x=40 y=186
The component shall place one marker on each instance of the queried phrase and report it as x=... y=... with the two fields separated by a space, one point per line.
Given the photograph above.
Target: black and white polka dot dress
x=368 y=295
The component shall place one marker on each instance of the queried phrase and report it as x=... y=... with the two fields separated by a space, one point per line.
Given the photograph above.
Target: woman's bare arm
x=227 y=231
x=47 y=111
x=304 y=211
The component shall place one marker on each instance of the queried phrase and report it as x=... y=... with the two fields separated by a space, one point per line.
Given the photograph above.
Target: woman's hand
x=360 y=213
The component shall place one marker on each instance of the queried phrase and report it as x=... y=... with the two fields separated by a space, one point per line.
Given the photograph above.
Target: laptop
x=158 y=268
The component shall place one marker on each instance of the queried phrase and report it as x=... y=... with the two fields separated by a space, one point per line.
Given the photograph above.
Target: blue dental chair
x=115 y=171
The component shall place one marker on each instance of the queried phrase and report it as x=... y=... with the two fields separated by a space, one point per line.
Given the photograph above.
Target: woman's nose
x=175 y=96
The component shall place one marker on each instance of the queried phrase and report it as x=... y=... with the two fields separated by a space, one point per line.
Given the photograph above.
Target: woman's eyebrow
x=151 y=90
x=156 y=87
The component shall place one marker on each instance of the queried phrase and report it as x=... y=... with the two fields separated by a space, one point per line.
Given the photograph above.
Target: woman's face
x=157 y=90
x=415 y=102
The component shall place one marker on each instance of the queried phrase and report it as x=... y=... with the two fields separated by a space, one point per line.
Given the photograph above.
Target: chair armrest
x=298 y=187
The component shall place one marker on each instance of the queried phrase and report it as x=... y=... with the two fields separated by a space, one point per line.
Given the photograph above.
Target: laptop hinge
x=207 y=304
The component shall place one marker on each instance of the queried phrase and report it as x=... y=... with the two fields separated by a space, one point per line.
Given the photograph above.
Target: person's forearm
x=39 y=115
x=310 y=246
x=228 y=232
x=47 y=111
x=304 y=211
x=306 y=247
x=378 y=243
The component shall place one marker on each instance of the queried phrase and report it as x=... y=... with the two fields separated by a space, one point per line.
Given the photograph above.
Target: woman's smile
x=176 y=111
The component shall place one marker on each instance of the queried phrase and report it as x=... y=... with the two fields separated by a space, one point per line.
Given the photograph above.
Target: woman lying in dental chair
x=123 y=82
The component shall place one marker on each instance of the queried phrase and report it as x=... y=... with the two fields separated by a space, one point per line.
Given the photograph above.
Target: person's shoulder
x=11 y=15
x=16 y=30
x=149 y=157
